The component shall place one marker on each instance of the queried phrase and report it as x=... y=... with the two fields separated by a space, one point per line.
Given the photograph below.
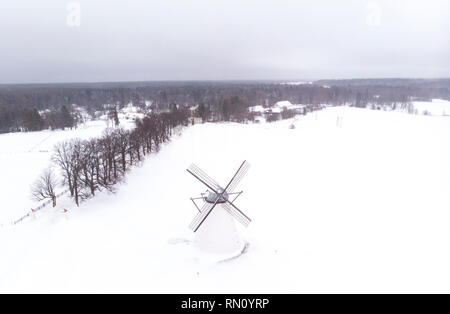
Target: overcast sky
x=119 y=40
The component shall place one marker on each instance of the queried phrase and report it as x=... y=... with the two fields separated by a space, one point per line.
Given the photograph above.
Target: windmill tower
x=214 y=225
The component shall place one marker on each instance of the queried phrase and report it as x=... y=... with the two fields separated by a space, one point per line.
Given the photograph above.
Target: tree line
x=91 y=166
x=26 y=119
x=21 y=105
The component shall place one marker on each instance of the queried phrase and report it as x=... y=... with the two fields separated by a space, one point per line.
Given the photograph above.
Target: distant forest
x=52 y=106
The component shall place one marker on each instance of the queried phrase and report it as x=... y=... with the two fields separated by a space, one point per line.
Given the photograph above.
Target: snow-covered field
x=23 y=156
x=351 y=200
x=437 y=107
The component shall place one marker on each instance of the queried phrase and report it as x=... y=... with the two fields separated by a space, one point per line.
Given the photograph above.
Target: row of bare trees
x=90 y=166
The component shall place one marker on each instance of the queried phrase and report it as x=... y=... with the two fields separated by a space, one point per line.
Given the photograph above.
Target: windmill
x=216 y=195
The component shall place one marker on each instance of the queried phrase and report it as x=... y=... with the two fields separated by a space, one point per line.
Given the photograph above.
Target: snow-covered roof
x=288 y=105
x=293 y=107
x=277 y=108
x=259 y=109
x=297 y=83
x=130 y=109
x=282 y=104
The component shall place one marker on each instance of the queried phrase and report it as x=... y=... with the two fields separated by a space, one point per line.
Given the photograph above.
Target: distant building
x=274 y=112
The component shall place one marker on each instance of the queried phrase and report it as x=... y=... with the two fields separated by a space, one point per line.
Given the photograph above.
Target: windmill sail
x=220 y=196
x=204 y=178
x=206 y=208
x=238 y=177
x=237 y=214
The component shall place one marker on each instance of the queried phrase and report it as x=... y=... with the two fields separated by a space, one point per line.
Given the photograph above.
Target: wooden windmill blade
x=236 y=213
x=240 y=173
x=204 y=178
x=202 y=217
x=204 y=211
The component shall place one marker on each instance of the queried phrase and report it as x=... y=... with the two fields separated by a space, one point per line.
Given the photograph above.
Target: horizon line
x=219 y=80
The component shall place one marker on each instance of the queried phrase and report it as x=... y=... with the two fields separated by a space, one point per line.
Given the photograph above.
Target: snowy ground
x=351 y=200
x=437 y=107
x=23 y=156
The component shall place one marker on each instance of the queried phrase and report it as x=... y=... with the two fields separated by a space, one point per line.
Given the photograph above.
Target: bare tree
x=62 y=157
x=44 y=187
x=99 y=164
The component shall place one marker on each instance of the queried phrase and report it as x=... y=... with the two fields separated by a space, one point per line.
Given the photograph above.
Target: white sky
x=121 y=40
